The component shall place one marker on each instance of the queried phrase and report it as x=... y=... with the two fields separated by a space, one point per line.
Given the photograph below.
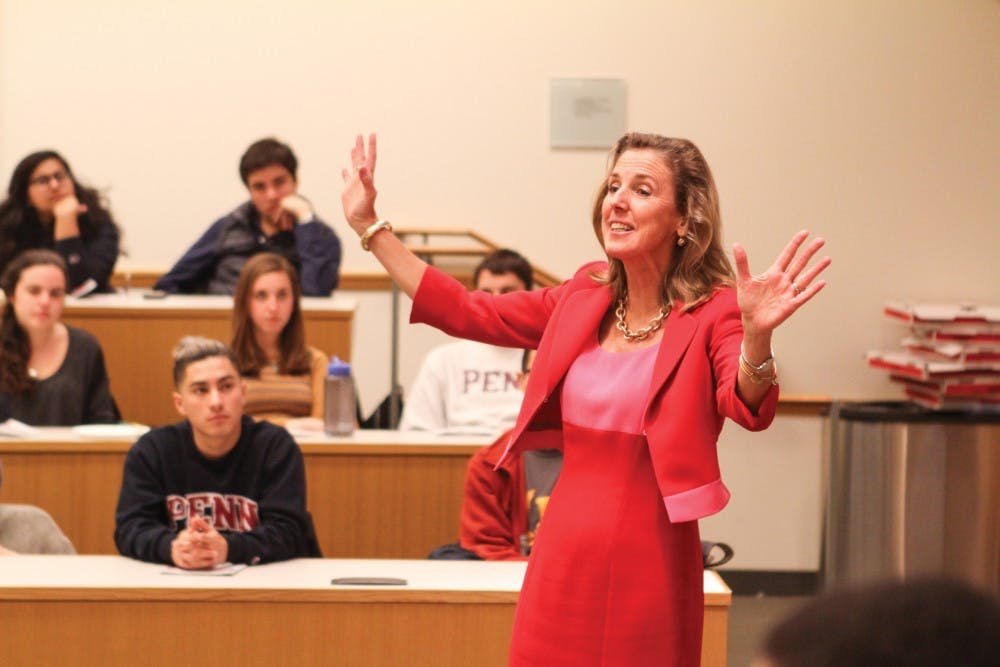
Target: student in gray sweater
x=26 y=529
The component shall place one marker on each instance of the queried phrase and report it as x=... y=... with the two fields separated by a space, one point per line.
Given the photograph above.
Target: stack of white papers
x=15 y=429
x=122 y=430
x=221 y=570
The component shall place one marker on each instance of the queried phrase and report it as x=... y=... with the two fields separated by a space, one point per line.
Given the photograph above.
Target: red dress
x=611 y=581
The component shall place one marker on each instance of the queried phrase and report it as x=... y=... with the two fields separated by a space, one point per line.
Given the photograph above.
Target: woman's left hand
x=768 y=299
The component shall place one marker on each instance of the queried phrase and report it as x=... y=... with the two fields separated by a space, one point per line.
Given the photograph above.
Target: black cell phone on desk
x=368 y=581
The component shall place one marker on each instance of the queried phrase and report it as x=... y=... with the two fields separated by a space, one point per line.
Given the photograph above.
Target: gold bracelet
x=372 y=231
x=754 y=373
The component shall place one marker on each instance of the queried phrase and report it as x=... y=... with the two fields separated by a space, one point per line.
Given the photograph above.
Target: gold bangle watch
x=759 y=373
x=372 y=231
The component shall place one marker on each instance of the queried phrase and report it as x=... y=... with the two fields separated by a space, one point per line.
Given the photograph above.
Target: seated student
x=284 y=376
x=52 y=374
x=46 y=207
x=26 y=529
x=502 y=508
x=928 y=621
x=466 y=385
x=276 y=219
x=217 y=486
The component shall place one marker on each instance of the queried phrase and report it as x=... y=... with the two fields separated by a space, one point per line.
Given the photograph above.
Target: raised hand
x=769 y=298
x=358 y=197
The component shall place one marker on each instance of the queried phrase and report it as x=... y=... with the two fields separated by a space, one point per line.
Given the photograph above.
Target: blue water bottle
x=339 y=401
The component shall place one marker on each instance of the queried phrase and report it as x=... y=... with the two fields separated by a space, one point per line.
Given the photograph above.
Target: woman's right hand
x=358 y=197
x=68 y=207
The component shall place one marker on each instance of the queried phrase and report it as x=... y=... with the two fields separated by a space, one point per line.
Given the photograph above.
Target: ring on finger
x=795 y=286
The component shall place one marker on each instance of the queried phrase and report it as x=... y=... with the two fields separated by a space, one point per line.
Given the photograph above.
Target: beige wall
x=874 y=123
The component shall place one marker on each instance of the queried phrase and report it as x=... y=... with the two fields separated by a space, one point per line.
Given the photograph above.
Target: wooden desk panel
x=256 y=633
x=396 y=506
x=122 y=612
x=79 y=490
x=110 y=610
x=377 y=494
x=137 y=336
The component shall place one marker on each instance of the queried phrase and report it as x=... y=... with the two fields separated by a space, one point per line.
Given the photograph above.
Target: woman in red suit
x=640 y=359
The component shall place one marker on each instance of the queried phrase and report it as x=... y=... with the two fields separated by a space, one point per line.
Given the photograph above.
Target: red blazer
x=694 y=377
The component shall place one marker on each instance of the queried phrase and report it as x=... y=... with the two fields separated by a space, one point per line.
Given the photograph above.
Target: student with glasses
x=46 y=207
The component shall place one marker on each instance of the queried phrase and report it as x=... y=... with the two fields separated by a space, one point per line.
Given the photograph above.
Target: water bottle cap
x=338 y=368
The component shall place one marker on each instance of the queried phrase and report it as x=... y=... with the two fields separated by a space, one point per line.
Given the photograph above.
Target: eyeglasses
x=58 y=177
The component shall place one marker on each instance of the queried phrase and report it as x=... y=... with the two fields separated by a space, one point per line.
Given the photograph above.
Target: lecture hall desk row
x=137 y=334
x=374 y=494
x=108 y=610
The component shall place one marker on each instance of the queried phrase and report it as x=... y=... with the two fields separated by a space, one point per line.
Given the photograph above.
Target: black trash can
x=912 y=491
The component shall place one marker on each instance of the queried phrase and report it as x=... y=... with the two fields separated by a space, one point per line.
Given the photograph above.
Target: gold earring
x=680 y=240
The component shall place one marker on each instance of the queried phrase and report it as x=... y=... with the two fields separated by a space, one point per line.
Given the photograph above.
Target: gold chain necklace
x=633 y=336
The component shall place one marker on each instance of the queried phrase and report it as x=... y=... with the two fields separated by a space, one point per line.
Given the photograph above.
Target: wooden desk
x=137 y=335
x=101 y=610
x=386 y=494
x=375 y=494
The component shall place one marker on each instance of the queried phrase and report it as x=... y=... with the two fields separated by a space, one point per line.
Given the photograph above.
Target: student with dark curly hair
x=46 y=207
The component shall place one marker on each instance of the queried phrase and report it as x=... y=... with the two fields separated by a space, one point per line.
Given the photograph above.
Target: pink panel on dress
x=609 y=389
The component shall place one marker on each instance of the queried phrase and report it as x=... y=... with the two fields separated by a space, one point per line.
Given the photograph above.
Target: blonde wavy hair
x=700 y=266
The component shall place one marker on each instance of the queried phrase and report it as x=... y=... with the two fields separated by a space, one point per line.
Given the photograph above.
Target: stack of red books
x=951 y=357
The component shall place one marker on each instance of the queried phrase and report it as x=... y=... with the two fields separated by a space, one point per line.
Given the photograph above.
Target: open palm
x=358 y=196
x=769 y=298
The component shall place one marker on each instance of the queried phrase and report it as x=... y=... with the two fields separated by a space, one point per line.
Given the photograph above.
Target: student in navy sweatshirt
x=275 y=219
x=216 y=487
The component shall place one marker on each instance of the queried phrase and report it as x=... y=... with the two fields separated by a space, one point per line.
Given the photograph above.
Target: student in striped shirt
x=284 y=376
